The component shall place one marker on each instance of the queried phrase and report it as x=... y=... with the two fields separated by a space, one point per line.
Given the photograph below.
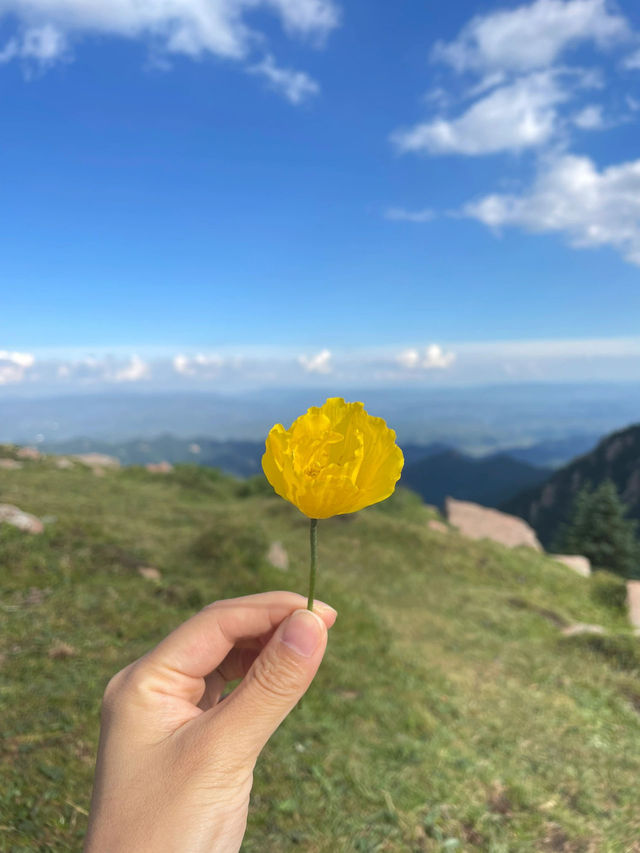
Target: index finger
x=201 y=643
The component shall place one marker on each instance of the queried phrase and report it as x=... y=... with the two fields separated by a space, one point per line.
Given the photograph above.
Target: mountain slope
x=488 y=480
x=449 y=705
x=616 y=457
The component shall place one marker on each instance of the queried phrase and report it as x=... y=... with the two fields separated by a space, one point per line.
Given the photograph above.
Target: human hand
x=175 y=764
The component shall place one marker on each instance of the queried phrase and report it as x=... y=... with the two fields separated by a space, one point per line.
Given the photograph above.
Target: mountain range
x=547 y=505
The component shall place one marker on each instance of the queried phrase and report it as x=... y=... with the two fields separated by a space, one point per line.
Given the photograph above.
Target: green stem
x=313 y=541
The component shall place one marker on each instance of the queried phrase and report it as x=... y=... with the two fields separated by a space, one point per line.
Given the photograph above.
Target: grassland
x=449 y=713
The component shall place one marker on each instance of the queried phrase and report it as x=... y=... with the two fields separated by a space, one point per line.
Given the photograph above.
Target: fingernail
x=322 y=607
x=303 y=632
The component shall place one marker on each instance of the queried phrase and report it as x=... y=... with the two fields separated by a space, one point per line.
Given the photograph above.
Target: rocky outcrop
x=581 y=565
x=10 y=464
x=478 y=522
x=633 y=602
x=28 y=453
x=22 y=520
x=278 y=556
x=159 y=467
x=438 y=526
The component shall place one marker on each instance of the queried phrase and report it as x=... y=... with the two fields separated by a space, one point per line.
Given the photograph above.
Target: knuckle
x=277 y=679
x=116 y=687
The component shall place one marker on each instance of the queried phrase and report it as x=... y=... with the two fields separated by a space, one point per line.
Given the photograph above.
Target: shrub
x=257 y=486
x=609 y=589
x=599 y=530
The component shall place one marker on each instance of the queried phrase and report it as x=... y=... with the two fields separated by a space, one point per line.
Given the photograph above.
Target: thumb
x=277 y=679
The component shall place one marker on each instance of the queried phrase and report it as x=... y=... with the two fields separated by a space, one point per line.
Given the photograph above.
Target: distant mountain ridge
x=487 y=480
x=241 y=458
x=547 y=506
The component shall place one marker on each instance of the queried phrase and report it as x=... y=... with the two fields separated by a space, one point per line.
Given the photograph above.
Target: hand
x=175 y=764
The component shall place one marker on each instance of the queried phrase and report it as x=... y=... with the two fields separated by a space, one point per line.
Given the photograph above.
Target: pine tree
x=598 y=529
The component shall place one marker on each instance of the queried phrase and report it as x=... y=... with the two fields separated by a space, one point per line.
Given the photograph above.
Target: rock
x=581 y=565
x=479 y=522
x=439 y=526
x=10 y=464
x=633 y=602
x=97 y=460
x=159 y=467
x=64 y=464
x=149 y=573
x=278 y=557
x=59 y=651
x=194 y=448
x=28 y=453
x=35 y=596
x=22 y=520
x=582 y=628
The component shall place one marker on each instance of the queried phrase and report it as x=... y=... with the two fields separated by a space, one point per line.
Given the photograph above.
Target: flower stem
x=313 y=541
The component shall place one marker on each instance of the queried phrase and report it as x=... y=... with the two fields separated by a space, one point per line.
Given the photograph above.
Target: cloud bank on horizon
x=532 y=80
x=471 y=363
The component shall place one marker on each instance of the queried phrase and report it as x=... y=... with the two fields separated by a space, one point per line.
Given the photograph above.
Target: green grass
x=449 y=713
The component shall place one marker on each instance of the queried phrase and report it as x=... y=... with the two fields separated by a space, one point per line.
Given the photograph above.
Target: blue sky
x=204 y=193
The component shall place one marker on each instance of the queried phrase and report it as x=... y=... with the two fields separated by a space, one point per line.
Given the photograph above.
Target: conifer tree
x=599 y=529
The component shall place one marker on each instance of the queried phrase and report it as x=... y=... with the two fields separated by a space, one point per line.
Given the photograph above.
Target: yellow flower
x=333 y=460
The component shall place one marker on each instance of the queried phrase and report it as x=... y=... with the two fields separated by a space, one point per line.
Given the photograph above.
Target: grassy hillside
x=449 y=713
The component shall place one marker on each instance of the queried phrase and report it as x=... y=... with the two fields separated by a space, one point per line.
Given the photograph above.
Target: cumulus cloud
x=198 y=365
x=571 y=197
x=632 y=62
x=400 y=214
x=193 y=28
x=515 y=101
x=432 y=357
x=589 y=118
x=532 y=36
x=296 y=86
x=134 y=371
x=318 y=363
x=14 y=366
x=519 y=115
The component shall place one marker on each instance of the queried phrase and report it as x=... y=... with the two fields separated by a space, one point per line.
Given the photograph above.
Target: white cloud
x=14 y=366
x=519 y=115
x=532 y=36
x=319 y=363
x=44 y=44
x=589 y=118
x=134 y=371
x=571 y=197
x=432 y=357
x=296 y=86
x=399 y=214
x=189 y=27
x=198 y=365
x=632 y=62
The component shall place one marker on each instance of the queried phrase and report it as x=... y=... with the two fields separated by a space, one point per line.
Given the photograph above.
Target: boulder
x=438 y=526
x=10 y=464
x=582 y=628
x=159 y=467
x=63 y=463
x=22 y=520
x=28 y=453
x=479 y=522
x=97 y=460
x=278 y=556
x=149 y=573
x=633 y=602
x=581 y=565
